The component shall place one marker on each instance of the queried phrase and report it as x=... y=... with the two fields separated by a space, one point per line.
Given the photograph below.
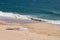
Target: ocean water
x=47 y=10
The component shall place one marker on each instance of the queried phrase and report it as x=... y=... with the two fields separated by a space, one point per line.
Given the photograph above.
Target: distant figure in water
x=36 y=19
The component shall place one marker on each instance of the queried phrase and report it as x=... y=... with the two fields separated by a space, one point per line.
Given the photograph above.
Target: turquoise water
x=46 y=9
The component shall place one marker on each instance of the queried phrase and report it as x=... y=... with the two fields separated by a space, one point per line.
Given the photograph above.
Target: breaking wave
x=27 y=17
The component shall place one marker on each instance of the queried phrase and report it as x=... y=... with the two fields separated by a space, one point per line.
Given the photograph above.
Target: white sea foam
x=12 y=15
x=27 y=17
x=51 y=21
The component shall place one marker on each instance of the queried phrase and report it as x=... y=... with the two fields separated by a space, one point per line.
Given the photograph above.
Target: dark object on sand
x=36 y=19
x=21 y=29
x=10 y=29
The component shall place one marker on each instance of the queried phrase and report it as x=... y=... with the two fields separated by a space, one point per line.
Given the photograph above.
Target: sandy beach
x=35 y=30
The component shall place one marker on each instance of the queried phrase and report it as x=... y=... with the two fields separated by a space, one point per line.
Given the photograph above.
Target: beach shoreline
x=10 y=20
x=16 y=20
x=36 y=30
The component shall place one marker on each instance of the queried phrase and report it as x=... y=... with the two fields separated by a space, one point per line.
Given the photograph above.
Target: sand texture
x=36 y=31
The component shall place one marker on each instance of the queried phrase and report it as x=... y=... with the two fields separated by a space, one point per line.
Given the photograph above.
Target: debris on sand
x=21 y=28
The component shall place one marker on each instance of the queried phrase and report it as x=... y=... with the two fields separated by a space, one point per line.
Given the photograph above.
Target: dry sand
x=36 y=31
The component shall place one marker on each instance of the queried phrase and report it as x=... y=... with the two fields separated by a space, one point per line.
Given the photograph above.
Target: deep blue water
x=47 y=9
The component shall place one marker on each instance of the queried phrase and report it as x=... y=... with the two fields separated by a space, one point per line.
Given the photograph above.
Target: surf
x=12 y=15
x=27 y=17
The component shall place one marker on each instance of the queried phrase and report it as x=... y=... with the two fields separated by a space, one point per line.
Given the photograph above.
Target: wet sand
x=36 y=30
x=15 y=20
